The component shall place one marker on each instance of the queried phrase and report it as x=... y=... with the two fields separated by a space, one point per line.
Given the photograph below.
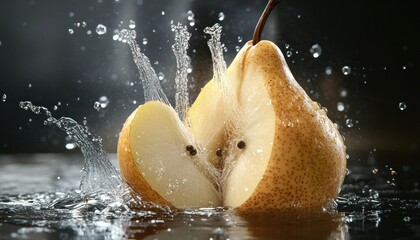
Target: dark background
x=41 y=62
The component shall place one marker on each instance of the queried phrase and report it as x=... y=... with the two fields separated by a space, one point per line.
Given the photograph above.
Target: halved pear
x=291 y=155
x=256 y=142
x=154 y=161
x=294 y=156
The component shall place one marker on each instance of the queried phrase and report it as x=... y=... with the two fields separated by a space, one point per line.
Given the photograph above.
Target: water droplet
x=343 y=93
x=144 y=41
x=289 y=53
x=84 y=24
x=163 y=13
x=328 y=70
x=221 y=16
x=237 y=48
x=189 y=70
x=340 y=106
x=349 y=123
x=100 y=29
x=239 y=39
x=132 y=24
x=404 y=67
x=315 y=50
x=89 y=32
x=4 y=98
x=347 y=172
x=192 y=24
x=104 y=101
x=77 y=24
x=97 y=105
x=115 y=37
x=406 y=219
x=55 y=108
x=71 y=31
x=346 y=70
x=190 y=15
x=29 y=85
x=402 y=106
x=71 y=14
x=134 y=102
x=70 y=146
x=375 y=171
x=161 y=76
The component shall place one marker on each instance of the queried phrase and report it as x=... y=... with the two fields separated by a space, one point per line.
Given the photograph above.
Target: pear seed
x=241 y=144
x=193 y=152
x=219 y=152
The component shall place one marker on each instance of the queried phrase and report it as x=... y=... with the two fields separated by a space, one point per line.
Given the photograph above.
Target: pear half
x=154 y=161
x=282 y=153
x=294 y=155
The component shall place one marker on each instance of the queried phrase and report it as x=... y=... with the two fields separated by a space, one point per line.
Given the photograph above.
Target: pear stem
x=261 y=22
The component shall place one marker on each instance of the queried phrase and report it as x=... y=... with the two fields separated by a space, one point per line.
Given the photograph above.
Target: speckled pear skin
x=308 y=159
x=129 y=170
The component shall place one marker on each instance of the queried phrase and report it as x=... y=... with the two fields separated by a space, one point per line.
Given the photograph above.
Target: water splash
x=231 y=106
x=182 y=36
x=148 y=77
x=233 y=116
x=99 y=176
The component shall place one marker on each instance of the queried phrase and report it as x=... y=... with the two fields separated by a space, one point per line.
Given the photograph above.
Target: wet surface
x=39 y=199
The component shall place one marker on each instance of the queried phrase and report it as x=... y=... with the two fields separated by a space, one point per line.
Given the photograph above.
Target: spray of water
x=180 y=48
x=99 y=176
x=233 y=115
x=148 y=77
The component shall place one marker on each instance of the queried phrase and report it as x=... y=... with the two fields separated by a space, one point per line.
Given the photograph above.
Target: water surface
x=40 y=199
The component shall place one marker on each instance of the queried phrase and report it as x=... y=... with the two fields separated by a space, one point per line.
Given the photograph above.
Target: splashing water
x=99 y=177
x=233 y=115
x=232 y=111
x=148 y=77
x=180 y=47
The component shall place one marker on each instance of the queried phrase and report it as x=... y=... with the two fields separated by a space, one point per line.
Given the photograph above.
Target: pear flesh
x=154 y=162
x=293 y=155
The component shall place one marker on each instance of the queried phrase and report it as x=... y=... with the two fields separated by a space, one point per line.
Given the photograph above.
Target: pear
x=254 y=142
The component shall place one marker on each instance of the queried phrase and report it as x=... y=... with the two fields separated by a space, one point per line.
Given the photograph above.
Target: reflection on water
x=39 y=199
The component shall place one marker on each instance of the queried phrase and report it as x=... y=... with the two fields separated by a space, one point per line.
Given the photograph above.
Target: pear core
x=293 y=155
